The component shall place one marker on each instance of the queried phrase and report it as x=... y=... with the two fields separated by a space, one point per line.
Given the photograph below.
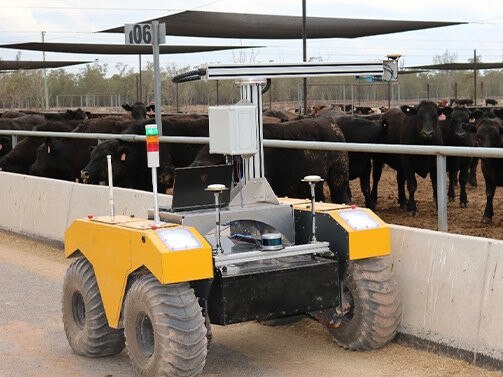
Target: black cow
x=138 y=110
x=461 y=102
x=457 y=131
x=363 y=110
x=411 y=126
x=129 y=160
x=360 y=130
x=62 y=158
x=490 y=101
x=14 y=114
x=490 y=135
x=22 y=123
x=19 y=159
x=78 y=114
x=476 y=116
x=284 y=168
x=283 y=116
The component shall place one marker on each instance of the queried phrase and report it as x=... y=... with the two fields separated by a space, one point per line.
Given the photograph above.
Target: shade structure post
x=304 y=55
x=46 y=89
x=475 y=77
x=139 y=93
x=157 y=75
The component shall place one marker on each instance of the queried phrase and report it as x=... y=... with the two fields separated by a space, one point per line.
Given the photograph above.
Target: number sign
x=142 y=34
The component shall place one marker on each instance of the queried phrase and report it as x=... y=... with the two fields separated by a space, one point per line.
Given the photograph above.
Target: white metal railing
x=441 y=152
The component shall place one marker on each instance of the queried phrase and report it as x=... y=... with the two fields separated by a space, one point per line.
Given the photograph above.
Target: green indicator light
x=151 y=130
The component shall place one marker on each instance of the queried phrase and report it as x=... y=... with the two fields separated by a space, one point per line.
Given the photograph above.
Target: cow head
x=78 y=114
x=45 y=155
x=138 y=110
x=96 y=170
x=5 y=145
x=459 y=124
x=490 y=134
x=426 y=114
x=167 y=175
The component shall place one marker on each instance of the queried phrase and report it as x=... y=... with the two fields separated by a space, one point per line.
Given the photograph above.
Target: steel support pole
x=270 y=97
x=442 y=193
x=46 y=89
x=218 y=94
x=157 y=76
x=251 y=90
x=475 y=77
x=140 y=94
x=176 y=87
x=389 y=94
x=304 y=53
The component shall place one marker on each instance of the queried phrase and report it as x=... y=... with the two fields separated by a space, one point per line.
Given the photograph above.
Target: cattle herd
x=427 y=123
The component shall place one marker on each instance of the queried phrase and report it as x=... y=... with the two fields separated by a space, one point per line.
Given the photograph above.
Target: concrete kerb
x=44 y=208
x=451 y=285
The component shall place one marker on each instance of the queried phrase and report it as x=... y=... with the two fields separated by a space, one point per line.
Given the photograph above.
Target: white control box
x=233 y=129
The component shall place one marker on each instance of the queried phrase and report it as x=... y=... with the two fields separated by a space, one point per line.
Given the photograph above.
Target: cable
x=189 y=76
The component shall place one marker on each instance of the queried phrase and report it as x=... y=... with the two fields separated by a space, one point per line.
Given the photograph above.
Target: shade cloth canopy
x=114 y=49
x=13 y=65
x=262 y=26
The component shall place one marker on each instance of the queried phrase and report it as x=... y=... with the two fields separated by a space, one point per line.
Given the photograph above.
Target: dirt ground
x=461 y=220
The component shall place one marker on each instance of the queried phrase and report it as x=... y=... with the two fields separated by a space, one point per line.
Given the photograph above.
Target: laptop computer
x=190 y=182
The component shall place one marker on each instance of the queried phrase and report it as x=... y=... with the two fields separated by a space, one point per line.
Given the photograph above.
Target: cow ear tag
x=123 y=156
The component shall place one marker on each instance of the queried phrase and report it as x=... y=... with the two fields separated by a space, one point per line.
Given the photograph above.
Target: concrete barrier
x=44 y=207
x=451 y=285
x=452 y=290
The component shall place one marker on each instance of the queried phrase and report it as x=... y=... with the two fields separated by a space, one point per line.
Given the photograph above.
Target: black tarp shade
x=13 y=65
x=114 y=49
x=261 y=26
x=459 y=66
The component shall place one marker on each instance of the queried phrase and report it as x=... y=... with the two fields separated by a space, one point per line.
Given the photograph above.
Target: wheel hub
x=78 y=309
x=145 y=334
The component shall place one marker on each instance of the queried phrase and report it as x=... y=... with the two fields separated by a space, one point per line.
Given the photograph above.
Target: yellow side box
x=355 y=232
x=117 y=247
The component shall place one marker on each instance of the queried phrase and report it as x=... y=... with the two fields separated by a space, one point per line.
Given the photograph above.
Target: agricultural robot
x=228 y=251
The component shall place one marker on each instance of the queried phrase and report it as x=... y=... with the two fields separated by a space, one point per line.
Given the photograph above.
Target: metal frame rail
x=441 y=152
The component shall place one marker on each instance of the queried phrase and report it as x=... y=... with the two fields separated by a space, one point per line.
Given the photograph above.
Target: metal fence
x=374 y=94
x=441 y=153
x=88 y=100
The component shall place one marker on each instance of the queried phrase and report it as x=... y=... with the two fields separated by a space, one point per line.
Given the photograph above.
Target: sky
x=77 y=21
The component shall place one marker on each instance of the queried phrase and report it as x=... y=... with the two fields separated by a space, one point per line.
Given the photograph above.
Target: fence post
x=441 y=193
x=14 y=141
x=352 y=97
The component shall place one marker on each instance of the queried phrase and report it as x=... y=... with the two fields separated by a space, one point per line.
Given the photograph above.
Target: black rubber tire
x=84 y=319
x=164 y=328
x=376 y=307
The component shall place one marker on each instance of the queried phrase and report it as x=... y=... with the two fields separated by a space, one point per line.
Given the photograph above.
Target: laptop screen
x=190 y=182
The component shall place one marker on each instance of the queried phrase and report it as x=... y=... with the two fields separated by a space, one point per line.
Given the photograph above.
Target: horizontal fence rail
x=441 y=152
